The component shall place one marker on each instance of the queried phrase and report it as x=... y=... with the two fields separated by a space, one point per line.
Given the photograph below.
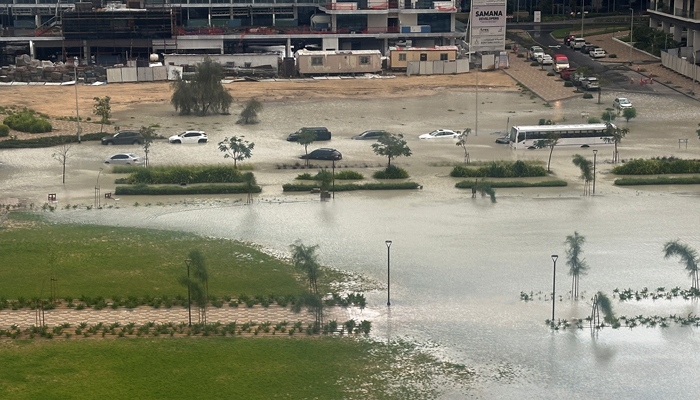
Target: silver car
x=189 y=137
x=124 y=159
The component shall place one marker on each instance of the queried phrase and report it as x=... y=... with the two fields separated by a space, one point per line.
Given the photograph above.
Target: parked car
x=578 y=43
x=189 y=137
x=546 y=59
x=590 y=83
x=123 y=137
x=322 y=133
x=566 y=73
x=568 y=39
x=535 y=51
x=621 y=103
x=586 y=49
x=503 y=140
x=323 y=154
x=597 y=53
x=370 y=135
x=124 y=159
x=440 y=134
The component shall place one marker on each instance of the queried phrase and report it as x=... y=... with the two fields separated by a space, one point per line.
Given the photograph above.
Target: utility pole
x=77 y=112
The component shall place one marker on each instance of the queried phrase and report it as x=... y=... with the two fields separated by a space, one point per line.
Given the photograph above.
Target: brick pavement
x=25 y=318
x=549 y=88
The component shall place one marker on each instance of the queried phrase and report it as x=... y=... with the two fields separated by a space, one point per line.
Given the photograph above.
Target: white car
x=546 y=59
x=440 y=134
x=124 y=159
x=621 y=103
x=535 y=51
x=597 y=53
x=189 y=137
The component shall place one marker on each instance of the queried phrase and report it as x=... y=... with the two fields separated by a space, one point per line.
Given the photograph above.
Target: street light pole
x=554 y=282
x=595 y=153
x=583 y=3
x=334 y=178
x=631 y=27
x=189 y=302
x=77 y=112
x=388 y=272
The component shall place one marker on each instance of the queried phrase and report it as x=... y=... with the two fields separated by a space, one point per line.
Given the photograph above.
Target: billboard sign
x=489 y=16
x=488 y=25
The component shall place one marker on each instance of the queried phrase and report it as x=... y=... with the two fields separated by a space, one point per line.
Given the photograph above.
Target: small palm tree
x=577 y=265
x=249 y=180
x=601 y=302
x=484 y=188
x=463 y=143
x=305 y=258
x=688 y=256
x=586 y=172
x=614 y=135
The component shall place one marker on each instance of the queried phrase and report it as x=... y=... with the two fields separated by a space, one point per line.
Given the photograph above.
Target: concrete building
x=681 y=18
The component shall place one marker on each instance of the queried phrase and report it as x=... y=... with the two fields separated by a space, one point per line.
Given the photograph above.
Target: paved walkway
x=25 y=318
x=549 y=88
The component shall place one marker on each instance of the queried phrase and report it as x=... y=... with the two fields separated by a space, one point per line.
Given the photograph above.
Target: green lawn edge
x=512 y=184
x=344 y=187
x=661 y=180
x=182 y=190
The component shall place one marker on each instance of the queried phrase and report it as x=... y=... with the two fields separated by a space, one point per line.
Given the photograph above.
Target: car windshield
x=624 y=101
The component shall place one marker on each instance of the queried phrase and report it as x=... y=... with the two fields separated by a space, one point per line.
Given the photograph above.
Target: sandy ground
x=59 y=101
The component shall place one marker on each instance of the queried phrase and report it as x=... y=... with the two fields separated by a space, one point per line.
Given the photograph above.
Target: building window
x=402 y=56
x=423 y=57
x=443 y=56
x=316 y=60
x=364 y=60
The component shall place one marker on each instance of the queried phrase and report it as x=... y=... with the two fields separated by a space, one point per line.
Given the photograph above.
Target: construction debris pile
x=28 y=70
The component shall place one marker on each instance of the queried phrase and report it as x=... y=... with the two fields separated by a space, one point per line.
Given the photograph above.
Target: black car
x=587 y=48
x=123 y=137
x=322 y=133
x=323 y=154
x=370 y=135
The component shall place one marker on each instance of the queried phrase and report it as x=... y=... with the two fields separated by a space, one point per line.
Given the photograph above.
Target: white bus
x=582 y=135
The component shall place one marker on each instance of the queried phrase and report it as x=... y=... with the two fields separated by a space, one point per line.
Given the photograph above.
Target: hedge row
x=658 y=166
x=661 y=180
x=176 y=190
x=342 y=175
x=292 y=187
x=48 y=141
x=500 y=169
x=4 y=130
x=512 y=184
x=26 y=122
x=180 y=174
x=391 y=172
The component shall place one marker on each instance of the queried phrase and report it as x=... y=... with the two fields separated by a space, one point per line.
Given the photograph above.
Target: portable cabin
x=399 y=57
x=338 y=62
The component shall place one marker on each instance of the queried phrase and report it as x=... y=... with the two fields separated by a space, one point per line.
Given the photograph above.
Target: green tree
x=202 y=92
x=462 y=142
x=102 y=109
x=306 y=137
x=550 y=141
x=586 y=172
x=249 y=180
x=325 y=179
x=149 y=134
x=249 y=115
x=236 y=148
x=392 y=146
x=629 y=113
x=608 y=115
x=305 y=259
x=688 y=257
x=197 y=282
x=615 y=135
x=484 y=188
x=577 y=265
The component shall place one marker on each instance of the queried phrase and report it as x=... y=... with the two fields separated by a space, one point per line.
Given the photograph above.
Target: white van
x=578 y=43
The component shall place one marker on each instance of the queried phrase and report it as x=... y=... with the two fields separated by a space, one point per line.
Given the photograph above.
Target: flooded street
x=458 y=264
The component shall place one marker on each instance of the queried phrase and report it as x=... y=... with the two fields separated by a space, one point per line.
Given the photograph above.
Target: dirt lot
x=58 y=101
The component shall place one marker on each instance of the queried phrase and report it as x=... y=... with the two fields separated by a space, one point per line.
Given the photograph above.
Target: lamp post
x=189 y=303
x=388 y=272
x=554 y=281
x=595 y=153
x=334 y=178
x=631 y=27
x=583 y=3
x=77 y=112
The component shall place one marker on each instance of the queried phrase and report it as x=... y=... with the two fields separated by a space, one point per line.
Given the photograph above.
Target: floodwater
x=458 y=264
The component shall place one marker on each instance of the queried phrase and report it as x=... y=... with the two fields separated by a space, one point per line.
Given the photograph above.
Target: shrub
x=512 y=184
x=656 y=166
x=179 y=174
x=612 y=55
x=534 y=64
x=550 y=73
x=593 y=120
x=391 y=172
x=661 y=180
x=4 y=130
x=305 y=177
x=347 y=187
x=521 y=55
x=587 y=96
x=48 y=141
x=500 y=169
x=179 y=190
x=349 y=175
x=568 y=84
x=25 y=121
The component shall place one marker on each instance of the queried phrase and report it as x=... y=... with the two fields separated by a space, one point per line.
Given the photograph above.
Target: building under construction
x=117 y=32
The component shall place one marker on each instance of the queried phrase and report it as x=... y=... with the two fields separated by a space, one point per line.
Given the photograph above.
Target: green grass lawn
x=106 y=261
x=222 y=368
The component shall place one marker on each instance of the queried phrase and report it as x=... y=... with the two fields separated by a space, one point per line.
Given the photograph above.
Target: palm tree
x=601 y=302
x=688 y=257
x=550 y=141
x=463 y=143
x=586 y=172
x=305 y=258
x=249 y=180
x=614 y=135
x=577 y=265
x=484 y=188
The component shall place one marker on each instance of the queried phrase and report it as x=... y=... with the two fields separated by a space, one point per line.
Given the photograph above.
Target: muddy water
x=458 y=264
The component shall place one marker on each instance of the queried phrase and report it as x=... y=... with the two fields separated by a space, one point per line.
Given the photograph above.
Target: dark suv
x=123 y=137
x=322 y=133
x=323 y=154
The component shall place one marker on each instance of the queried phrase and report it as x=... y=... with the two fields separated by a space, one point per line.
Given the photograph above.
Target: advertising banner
x=488 y=16
x=488 y=43
x=538 y=16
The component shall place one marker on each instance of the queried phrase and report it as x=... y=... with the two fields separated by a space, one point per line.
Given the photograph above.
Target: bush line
x=500 y=169
x=345 y=187
x=512 y=184
x=177 y=190
x=48 y=141
x=661 y=180
x=656 y=166
x=180 y=174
